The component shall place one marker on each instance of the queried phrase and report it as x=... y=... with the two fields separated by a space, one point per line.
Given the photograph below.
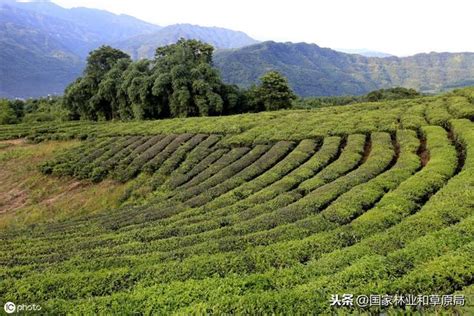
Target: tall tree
x=185 y=78
x=82 y=97
x=135 y=88
x=7 y=114
x=110 y=85
x=101 y=60
x=274 y=91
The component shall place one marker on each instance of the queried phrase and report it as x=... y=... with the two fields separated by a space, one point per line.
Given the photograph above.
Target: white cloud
x=400 y=27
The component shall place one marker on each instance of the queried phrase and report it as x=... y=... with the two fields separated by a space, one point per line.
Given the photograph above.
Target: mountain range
x=44 y=47
x=313 y=70
x=144 y=46
x=364 y=52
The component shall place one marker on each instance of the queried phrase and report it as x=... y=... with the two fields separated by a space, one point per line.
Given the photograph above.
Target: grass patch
x=27 y=196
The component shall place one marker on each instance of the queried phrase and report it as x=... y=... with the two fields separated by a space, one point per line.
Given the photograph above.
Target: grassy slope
x=27 y=196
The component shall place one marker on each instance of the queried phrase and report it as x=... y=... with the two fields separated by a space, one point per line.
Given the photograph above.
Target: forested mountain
x=364 y=52
x=39 y=54
x=44 y=47
x=313 y=70
x=105 y=26
x=144 y=46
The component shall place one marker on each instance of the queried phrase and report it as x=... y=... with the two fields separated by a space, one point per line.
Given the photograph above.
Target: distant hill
x=39 y=54
x=106 y=26
x=364 y=52
x=144 y=46
x=313 y=70
x=44 y=46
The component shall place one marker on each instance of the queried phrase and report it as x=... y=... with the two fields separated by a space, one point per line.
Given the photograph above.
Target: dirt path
x=14 y=142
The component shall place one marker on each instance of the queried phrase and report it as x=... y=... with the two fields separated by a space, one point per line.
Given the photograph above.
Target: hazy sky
x=400 y=27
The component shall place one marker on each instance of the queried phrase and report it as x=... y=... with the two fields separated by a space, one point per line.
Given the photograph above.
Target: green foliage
x=93 y=96
x=274 y=92
x=187 y=79
x=398 y=93
x=34 y=110
x=392 y=94
x=7 y=114
x=179 y=82
x=320 y=102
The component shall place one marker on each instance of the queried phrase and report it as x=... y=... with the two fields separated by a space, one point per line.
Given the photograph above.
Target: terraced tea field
x=256 y=214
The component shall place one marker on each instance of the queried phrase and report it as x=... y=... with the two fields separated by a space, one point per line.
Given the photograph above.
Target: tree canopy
x=92 y=96
x=274 y=91
x=179 y=82
x=392 y=94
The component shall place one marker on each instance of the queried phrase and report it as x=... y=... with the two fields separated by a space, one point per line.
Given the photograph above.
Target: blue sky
x=402 y=27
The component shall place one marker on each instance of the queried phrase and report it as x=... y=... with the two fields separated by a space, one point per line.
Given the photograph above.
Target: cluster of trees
x=396 y=93
x=392 y=94
x=32 y=110
x=179 y=82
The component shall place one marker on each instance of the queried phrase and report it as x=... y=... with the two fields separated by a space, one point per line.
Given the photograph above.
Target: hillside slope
x=105 y=26
x=252 y=214
x=364 y=52
x=44 y=46
x=39 y=54
x=316 y=71
x=144 y=46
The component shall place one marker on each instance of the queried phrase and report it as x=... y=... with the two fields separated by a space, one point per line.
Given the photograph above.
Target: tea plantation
x=268 y=213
